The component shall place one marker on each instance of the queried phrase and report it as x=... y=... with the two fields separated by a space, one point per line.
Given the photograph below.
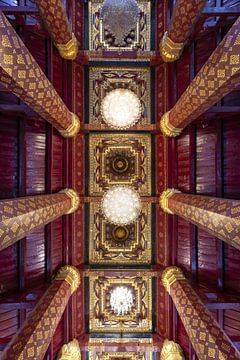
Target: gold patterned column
x=32 y=340
x=171 y=351
x=219 y=76
x=54 y=16
x=220 y=217
x=184 y=17
x=70 y=351
x=20 y=216
x=20 y=74
x=207 y=338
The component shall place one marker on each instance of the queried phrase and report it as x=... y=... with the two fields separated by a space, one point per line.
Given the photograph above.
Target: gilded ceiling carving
x=126 y=355
x=103 y=80
x=120 y=159
x=106 y=34
x=103 y=319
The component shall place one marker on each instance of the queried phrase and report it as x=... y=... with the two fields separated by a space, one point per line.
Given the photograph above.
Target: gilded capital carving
x=171 y=351
x=73 y=129
x=69 y=50
x=74 y=199
x=169 y=50
x=164 y=197
x=167 y=128
x=170 y=275
x=70 y=351
x=71 y=275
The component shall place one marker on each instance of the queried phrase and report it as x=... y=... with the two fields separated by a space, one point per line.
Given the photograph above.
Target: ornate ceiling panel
x=111 y=244
x=120 y=159
x=104 y=33
x=126 y=355
x=102 y=80
x=101 y=316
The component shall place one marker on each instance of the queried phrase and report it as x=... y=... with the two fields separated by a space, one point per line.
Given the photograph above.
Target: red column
x=20 y=74
x=54 y=15
x=32 y=340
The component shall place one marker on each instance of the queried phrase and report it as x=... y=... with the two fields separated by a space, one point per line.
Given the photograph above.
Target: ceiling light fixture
x=121 y=109
x=121 y=300
x=121 y=205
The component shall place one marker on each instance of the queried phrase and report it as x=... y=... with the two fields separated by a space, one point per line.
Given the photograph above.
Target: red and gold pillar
x=70 y=351
x=171 y=351
x=205 y=334
x=219 y=76
x=184 y=17
x=32 y=340
x=54 y=16
x=220 y=217
x=20 y=216
x=20 y=74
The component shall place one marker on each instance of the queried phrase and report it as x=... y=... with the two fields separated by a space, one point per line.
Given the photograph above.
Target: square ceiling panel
x=101 y=316
x=112 y=244
x=125 y=32
x=102 y=80
x=120 y=159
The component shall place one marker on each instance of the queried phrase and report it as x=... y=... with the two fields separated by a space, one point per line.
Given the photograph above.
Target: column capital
x=70 y=351
x=71 y=275
x=170 y=50
x=171 y=351
x=167 y=128
x=164 y=197
x=170 y=275
x=73 y=195
x=69 y=50
x=73 y=129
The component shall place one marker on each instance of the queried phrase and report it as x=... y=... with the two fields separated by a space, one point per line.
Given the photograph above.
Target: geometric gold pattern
x=103 y=319
x=119 y=355
x=132 y=151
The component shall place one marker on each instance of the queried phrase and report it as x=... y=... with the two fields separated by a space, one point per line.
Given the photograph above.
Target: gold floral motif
x=68 y=51
x=71 y=275
x=167 y=128
x=70 y=351
x=73 y=129
x=170 y=275
x=164 y=197
x=171 y=351
x=169 y=50
x=75 y=200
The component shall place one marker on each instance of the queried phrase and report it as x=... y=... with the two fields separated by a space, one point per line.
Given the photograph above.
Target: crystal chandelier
x=121 y=300
x=121 y=205
x=121 y=109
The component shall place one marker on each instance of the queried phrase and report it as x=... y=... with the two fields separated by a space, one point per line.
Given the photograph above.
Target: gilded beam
x=171 y=351
x=70 y=351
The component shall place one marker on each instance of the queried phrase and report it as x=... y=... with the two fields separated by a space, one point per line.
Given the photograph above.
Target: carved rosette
x=171 y=351
x=71 y=275
x=170 y=50
x=164 y=197
x=75 y=200
x=70 y=351
x=167 y=128
x=73 y=129
x=69 y=50
x=170 y=275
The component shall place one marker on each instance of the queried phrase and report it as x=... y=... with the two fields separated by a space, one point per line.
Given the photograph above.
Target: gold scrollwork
x=164 y=197
x=171 y=351
x=69 y=50
x=70 y=351
x=75 y=200
x=169 y=50
x=73 y=129
x=170 y=275
x=71 y=275
x=167 y=128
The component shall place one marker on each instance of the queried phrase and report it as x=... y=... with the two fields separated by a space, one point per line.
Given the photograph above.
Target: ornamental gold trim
x=170 y=275
x=170 y=51
x=164 y=197
x=69 y=50
x=73 y=129
x=171 y=351
x=71 y=275
x=167 y=128
x=70 y=351
x=75 y=200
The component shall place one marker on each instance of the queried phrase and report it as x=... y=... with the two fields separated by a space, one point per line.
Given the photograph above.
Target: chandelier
x=121 y=109
x=121 y=205
x=121 y=300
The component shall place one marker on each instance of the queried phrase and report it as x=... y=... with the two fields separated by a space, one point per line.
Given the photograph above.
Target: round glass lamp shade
x=121 y=300
x=121 y=109
x=121 y=205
